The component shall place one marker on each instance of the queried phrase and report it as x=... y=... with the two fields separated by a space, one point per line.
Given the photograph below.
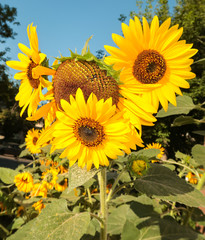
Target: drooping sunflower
x=156 y=146
x=92 y=76
x=32 y=82
x=90 y=132
x=154 y=63
x=24 y=182
x=32 y=140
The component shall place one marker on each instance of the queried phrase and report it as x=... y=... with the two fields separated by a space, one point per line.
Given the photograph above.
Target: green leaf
x=200 y=132
x=140 y=210
x=17 y=223
x=130 y=231
x=54 y=222
x=7 y=175
x=25 y=153
x=78 y=176
x=124 y=199
x=198 y=153
x=161 y=183
x=168 y=229
x=149 y=153
x=118 y=218
x=184 y=106
x=185 y=120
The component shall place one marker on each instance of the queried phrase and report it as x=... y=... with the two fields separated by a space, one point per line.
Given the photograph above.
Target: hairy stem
x=103 y=204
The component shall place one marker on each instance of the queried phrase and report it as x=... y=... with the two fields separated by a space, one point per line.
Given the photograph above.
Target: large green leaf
x=130 y=231
x=149 y=153
x=140 y=210
x=166 y=229
x=184 y=106
x=185 y=120
x=198 y=153
x=79 y=176
x=7 y=175
x=162 y=183
x=54 y=222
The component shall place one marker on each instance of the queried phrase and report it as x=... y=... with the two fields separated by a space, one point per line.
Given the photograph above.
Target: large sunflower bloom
x=154 y=64
x=92 y=77
x=32 y=82
x=24 y=182
x=91 y=132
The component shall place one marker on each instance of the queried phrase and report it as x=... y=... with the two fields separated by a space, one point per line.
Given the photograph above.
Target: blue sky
x=65 y=24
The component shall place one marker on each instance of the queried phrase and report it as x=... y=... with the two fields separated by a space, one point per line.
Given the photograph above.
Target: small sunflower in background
x=154 y=63
x=156 y=146
x=39 y=205
x=49 y=177
x=60 y=187
x=24 y=182
x=39 y=189
x=90 y=132
x=32 y=82
x=32 y=141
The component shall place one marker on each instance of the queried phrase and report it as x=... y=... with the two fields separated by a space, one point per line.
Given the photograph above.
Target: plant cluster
x=92 y=176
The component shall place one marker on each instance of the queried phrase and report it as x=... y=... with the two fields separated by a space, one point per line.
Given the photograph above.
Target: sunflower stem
x=110 y=195
x=201 y=182
x=103 y=204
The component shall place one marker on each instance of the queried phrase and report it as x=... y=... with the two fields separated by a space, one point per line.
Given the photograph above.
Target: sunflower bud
x=138 y=165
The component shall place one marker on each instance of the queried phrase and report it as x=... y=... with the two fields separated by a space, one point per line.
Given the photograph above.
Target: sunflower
x=39 y=189
x=91 y=132
x=24 y=182
x=139 y=166
x=39 y=205
x=154 y=64
x=156 y=146
x=60 y=187
x=31 y=141
x=92 y=76
x=49 y=177
x=32 y=82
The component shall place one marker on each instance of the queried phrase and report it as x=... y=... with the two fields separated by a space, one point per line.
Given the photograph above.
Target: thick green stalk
x=103 y=204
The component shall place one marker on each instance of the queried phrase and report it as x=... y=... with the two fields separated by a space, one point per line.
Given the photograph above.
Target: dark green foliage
x=189 y=14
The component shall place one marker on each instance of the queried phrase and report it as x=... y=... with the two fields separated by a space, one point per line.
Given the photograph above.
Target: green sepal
x=131 y=159
x=86 y=55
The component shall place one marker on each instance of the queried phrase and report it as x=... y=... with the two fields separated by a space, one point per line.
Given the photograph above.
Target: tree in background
x=189 y=14
x=10 y=121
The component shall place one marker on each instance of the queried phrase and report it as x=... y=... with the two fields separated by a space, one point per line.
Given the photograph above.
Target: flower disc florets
x=87 y=75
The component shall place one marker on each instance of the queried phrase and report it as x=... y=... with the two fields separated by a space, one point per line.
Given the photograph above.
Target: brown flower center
x=33 y=81
x=73 y=74
x=149 y=67
x=35 y=139
x=89 y=132
x=25 y=180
